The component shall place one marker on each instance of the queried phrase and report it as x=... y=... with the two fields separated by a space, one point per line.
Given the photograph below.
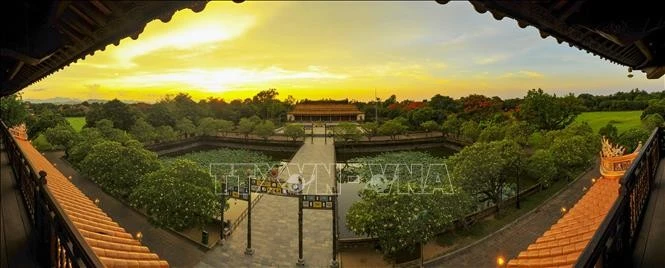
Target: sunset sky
x=336 y=50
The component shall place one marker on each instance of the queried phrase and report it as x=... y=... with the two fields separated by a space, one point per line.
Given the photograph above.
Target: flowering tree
x=118 y=168
x=400 y=220
x=406 y=201
x=179 y=195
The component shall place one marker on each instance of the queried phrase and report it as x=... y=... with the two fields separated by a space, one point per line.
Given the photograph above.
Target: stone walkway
x=176 y=250
x=15 y=226
x=275 y=220
x=512 y=240
x=651 y=237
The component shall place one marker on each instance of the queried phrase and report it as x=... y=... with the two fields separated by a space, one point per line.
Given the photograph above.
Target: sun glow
x=198 y=32
x=217 y=80
x=313 y=50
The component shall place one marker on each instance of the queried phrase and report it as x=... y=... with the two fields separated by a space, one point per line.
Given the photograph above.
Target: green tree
x=88 y=137
x=630 y=138
x=118 y=168
x=542 y=165
x=452 y=125
x=208 y=126
x=421 y=115
x=161 y=114
x=493 y=132
x=225 y=126
x=483 y=169
x=245 y=126
x=370 y=129
x=547 y=111
x=106 y=128
x=62 y=135
x=652 y=121
x=143 y=131
x=537 y=140
x=400 y=221
x=39 y=123
x=177 y=196
x=470 y=130
x=429 y=126
x=396 y=206
x=122 y=115
x=185 y=126
x=12 y=110
x=347 y=132
x=165 y=133
x=655 y=107
x=609 y=131
x=393 y=128
x=519 y=131
x=294 y=131
x=265 y=129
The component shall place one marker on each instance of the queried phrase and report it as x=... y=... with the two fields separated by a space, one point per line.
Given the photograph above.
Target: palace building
x=325 y=112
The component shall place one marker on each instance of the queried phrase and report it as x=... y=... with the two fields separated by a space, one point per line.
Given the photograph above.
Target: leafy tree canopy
x=177 y=196
x=118 y=168
x=294 y=131
x=12 y=110
x=547 y=111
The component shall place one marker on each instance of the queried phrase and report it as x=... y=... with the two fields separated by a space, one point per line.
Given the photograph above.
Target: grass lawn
x=623 y=120
x=76 y=122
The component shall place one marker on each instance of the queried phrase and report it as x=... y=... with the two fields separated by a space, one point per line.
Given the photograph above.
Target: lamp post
x=249 y=251
x=301 y=260
x=334 y=263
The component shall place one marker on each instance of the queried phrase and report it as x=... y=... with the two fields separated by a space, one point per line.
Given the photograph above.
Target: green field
x=76 y=122
x=623 y=120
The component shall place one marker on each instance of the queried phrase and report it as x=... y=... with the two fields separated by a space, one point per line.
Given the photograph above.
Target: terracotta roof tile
x=563 y=243
x=112 y=244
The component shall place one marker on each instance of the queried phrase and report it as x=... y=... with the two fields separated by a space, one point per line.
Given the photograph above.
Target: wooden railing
x=57 y=242
x=612 y=244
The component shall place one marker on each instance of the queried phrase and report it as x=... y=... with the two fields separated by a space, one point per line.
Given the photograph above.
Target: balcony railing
x=615 y=238
x=57 y=242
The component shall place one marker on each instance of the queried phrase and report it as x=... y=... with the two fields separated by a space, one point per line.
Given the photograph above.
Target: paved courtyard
x=275 y=220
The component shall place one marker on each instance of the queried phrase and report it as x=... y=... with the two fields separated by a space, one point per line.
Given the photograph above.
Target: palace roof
x=325 y=109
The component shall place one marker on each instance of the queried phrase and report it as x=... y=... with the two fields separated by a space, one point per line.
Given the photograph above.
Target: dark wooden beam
x=18 y=67
x=101 y=7
x=83 y=15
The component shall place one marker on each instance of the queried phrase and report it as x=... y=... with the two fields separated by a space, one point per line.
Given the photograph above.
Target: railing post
x=41 y=218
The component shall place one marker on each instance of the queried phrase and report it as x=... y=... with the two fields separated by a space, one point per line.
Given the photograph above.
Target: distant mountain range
x=61 y=100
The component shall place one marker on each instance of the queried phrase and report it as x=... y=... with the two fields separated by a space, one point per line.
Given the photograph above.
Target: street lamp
x=249 y=251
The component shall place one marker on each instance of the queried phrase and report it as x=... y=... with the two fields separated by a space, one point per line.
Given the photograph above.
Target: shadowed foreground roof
x=114 y=246
x=42 y=37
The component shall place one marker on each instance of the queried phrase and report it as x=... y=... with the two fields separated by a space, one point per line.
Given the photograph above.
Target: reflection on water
x=348 y=194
